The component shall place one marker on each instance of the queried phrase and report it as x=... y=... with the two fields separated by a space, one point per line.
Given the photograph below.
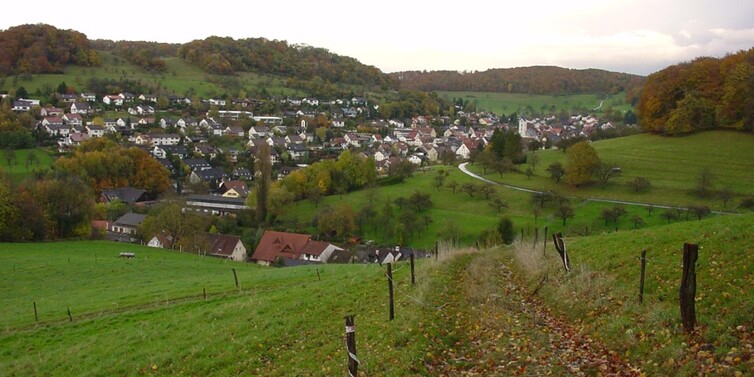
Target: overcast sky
x=635 y=36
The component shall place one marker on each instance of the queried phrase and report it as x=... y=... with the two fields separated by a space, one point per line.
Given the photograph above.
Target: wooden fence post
x=235 y=277
x=544 y=244
x=413 y=279
x=353 y=361
x=319 y=278
x=437 y=250
x=70 y=317
x=688 y=286
x=36 y=317
x=641 y=281
x=390 y=289
x=536 y=238
x=204 y=291
x=560 y=246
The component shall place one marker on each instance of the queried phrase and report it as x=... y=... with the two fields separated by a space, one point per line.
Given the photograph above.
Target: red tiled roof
x=274 y=244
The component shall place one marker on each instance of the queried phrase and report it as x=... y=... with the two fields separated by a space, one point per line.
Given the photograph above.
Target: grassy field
x=179 y=78
x=21 y=169
x=601 y=294
x=672 y=166
x=507 y=103
x=470 y=215
x=148 y=316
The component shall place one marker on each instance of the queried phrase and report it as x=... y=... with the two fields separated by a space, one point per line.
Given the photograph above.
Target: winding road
x=600 y=200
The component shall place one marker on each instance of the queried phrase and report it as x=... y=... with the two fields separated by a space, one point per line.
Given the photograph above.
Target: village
x=208 y=148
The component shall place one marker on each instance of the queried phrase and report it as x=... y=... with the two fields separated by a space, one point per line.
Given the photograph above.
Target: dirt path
x=491 y=326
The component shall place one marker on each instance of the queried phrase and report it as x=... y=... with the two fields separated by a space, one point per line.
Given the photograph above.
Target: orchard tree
x=564 y=212
x=639 y=184
x=556 y=171
x=582 y=159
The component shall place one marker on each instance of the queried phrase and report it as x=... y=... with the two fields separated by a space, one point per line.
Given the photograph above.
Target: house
x=161 y=242
x=234 y=131
x=22 y=105
x=114 y=100
x=95 y=131
x=213 y=176
x=269 y=120
x=195 y=164
x=148 y=98
x=128 y=223
x=165 y=139
x=259 y=132
x=67 y=98
x=242 y=174
x=51 y=112
x=222 y=246
x=127 y=195
x=297 y=151
x=162 y=151
x=274 y=245
x=89 y=97
x=234 y=189
x=465 y=149
x=73 y=120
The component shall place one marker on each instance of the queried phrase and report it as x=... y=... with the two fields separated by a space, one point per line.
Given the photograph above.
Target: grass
x=470 y=215
x=18 y=171
x=672 y=166
x=601 y=294
x=507 y=103
x=147 y=315
x=179 y=78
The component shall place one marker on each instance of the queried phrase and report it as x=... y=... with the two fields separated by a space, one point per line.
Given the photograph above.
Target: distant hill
x=529 y=80
x=223 y=55
x=28 y=49
x=33 y=49
x=706 y=93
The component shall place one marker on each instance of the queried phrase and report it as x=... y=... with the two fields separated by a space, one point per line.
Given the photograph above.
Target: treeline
x=706 y=93
x=29 y=49
x=529 y=80
x=148 y=55
x=225 y=56
x=103 y=164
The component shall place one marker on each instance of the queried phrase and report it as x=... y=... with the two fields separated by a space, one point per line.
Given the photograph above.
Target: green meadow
x=148 y=315
x=672 y=166
x=179 y=78
x=507 y=103
x=22 y=166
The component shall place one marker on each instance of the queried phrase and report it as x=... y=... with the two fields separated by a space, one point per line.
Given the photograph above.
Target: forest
x=28 y=49
x=706 y=93
x=529 y=80
x=225 y=56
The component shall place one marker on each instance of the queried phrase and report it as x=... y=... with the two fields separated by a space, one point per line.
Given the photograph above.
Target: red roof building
x=274 y=245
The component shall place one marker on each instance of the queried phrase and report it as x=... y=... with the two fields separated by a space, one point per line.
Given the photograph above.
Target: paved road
x=600 y=200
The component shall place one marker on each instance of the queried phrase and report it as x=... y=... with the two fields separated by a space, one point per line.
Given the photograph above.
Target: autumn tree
x=336 y=223
x=582 y=159
x=264 y=169
x=452 y=185
x=176 y=225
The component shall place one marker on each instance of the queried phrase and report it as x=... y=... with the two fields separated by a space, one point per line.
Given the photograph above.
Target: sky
x=633 y=36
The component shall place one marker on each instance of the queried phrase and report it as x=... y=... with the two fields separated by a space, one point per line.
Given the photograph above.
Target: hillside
x=706 y=93
x=28 y=49
x=42 y=49
x=508 y=311
x=529 y=80
x=672 y=166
